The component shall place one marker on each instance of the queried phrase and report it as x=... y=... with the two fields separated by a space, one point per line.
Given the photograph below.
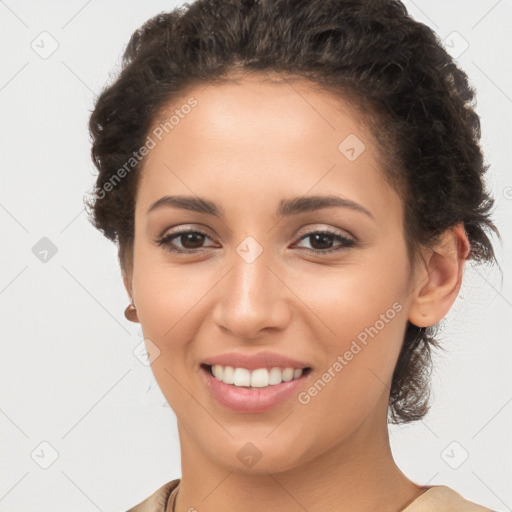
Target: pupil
x=321 y=236
x=189 y=236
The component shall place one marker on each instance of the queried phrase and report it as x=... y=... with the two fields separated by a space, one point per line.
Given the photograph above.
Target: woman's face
x=253 y=284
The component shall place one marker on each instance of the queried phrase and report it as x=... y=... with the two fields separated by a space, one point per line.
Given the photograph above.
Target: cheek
x=351 y=299
x=358 y=373
x=166 y=296
x=167 y=310
x=364 y=314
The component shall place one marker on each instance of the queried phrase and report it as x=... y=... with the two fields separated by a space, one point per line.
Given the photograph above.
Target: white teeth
x=288 y=374
x=275 y=376
x=227 y=374
x=217 y=371
x=242 y=377
x=259 y=378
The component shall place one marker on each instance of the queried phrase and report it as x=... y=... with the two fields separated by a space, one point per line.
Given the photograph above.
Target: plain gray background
x=83 y=425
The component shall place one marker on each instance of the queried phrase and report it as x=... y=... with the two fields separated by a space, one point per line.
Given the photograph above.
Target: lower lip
x=244 y=399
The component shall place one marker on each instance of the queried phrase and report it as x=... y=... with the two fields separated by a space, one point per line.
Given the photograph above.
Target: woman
x=294 y=187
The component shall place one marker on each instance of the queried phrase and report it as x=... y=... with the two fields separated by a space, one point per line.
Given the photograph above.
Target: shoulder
x=441 y=498
x=158 y=500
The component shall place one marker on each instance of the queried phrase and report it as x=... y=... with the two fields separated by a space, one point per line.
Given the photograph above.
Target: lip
x=252 y=400
x=255 y=361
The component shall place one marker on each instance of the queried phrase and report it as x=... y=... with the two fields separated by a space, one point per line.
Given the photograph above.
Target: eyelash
x=166 y=241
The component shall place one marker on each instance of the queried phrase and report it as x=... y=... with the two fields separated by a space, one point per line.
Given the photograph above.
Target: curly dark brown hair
x=408 y=90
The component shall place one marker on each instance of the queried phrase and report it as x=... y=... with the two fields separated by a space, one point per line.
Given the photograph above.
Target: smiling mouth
x=255 y=379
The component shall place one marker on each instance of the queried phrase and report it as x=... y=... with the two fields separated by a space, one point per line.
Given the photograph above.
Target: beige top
x=437 y=498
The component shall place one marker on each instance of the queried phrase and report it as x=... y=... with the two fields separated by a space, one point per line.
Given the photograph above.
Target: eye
x=191 y=241
x=324 y=238
x=190 y=237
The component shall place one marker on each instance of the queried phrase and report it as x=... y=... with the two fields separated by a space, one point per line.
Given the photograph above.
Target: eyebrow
x=286 y=208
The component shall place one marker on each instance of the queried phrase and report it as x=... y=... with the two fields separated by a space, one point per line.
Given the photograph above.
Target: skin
x=246 y=146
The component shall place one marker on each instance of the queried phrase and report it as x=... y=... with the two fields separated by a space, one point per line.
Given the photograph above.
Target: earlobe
x=130 y=312
x=438 y=284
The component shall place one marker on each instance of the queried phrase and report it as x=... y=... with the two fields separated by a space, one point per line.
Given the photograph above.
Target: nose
x=253 y=299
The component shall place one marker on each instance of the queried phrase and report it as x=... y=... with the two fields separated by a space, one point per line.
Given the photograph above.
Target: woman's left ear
x=439 y=281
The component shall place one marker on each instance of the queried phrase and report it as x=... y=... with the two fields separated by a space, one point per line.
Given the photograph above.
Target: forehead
x=284 y=111
x=262 y=139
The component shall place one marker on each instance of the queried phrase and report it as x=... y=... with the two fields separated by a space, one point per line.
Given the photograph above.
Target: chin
x=258 y=457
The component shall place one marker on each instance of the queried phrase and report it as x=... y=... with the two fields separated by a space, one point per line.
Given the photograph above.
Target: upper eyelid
x=174 y=230
x=337 y=233
x=177 y=230
x=330 y=230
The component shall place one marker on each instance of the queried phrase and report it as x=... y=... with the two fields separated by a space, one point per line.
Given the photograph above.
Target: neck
x=359 y=474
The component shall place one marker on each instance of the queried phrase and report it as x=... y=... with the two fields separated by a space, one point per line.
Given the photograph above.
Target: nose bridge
x=250 y=285
x=250 y=298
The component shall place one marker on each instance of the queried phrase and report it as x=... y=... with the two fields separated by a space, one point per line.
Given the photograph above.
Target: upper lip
x=255 y=361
